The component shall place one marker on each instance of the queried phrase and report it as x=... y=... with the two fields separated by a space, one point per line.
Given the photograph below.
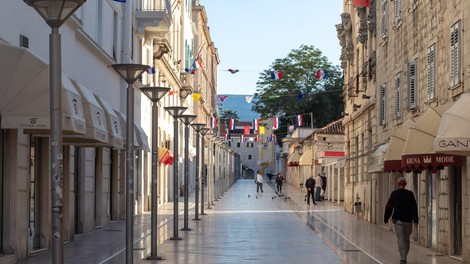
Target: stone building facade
x=404 y=84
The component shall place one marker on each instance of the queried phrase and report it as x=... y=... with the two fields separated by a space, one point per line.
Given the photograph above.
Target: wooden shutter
x=412 y=84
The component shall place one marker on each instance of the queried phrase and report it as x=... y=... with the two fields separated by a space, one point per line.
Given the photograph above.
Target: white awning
x=24 y=94
x=306 y=159
x=376 y=161
x=116 y=138
x=453 y=135
x=122 y=119
x=96 y=128
x=142 y=138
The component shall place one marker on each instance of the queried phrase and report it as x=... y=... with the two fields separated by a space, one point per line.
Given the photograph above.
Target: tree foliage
x=298 y=92
x=228 y=114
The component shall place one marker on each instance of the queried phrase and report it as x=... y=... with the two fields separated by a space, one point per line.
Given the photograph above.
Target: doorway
x=456 y=207
x=431 y=201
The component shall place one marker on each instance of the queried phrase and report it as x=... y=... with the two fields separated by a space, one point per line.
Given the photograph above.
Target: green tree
x=228 y=114
x=298 y=91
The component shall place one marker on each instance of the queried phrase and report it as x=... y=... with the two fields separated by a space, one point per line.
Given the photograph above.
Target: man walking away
x=323 y=185
x=310 y=185
x=402 y=207
x=279 y=181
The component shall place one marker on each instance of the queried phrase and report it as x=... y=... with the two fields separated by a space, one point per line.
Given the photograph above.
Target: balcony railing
x=153 y=16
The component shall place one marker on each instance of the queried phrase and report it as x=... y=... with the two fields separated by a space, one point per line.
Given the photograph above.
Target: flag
x=190 y=71
x=242 y=138
x=276 y=75
x=291 y=128
x=171 y=92
x=231 y=124
x=120 y=1
x=300 y=96
x=232 y=71
x=248 y=99
x=321 y=74
x=276 y=123
x=246 y=130
x=273 y=137
x=299 y=120
x=361 y=3
x=151 y=70
x=196 y=96
x=256 y=138
x=197 y=63
x=261 y=130
x=225 y=137
x=222 y=97
x=255 y=124
x=268 y=139
x=213 y=122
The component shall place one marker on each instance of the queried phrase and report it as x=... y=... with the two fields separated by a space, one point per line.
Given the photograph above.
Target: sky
x=251 y=34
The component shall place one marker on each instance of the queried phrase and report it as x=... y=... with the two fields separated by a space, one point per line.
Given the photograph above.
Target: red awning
x=418 y=163
x=332 y=154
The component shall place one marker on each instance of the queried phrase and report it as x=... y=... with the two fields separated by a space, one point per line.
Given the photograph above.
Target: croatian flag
x=213 y=122
x=276 y=123
x=273 y=137
x=321 y=74
x=225 y=137
x=276 y=75
x=242 y=138
x=231 y=124
x=256 y=138
x=255 y=124
x=299 y=120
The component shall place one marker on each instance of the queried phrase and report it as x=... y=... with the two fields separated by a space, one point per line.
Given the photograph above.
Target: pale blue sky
x=251 y=34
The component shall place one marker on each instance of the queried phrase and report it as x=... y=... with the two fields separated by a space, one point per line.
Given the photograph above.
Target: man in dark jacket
x=310 y=185
x=402 y=207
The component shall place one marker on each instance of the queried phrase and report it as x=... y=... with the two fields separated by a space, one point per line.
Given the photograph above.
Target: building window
x=398 y=95
x=383 y=109
x=249 y=145
x=384 y=24
x=238 y=144
x=397 y=4
x=431 y=72
x=249 y=157
x=455 y=55
x=412 y=84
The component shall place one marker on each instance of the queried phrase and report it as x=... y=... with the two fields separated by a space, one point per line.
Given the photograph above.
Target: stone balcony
x=153 y=17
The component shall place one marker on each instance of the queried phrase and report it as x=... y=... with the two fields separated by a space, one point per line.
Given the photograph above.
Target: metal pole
x=175 y=180
x=56 y=145
x=130 y=175
x=186 y=176
x=209 y=170
x=154 y=220
x=196 y=202
x=203 y=176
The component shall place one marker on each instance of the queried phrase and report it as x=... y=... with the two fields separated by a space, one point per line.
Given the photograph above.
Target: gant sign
x=452 y=144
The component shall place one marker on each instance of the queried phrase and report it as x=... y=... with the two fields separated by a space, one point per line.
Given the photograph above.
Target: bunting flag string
x=255 y=124
x=248 y=99
x=299 y=120
x=276 y=75
x=196 y=96
x=233 y=71
x=222 y=98
x=276 y=123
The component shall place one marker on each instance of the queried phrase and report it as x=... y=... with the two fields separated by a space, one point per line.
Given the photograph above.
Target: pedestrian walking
x=259 y=181
x=318 y=184
x=403 y=210
x=310 y=185
x=323 y=186
x=279 y=181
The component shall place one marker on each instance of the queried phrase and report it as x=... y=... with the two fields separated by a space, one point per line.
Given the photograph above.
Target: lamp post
x=175 y=112
x=55 y=13
x=154 y=94
x=198 y=128
x=186 y=119
x=130 y=73
x=204 y=173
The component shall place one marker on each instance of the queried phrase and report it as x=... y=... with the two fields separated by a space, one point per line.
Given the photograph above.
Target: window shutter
x=431 y=72
x=412 y=85
x=455 y=54
x=383 y=108
x=384 y=26
x=398 y=95
x=397 y=4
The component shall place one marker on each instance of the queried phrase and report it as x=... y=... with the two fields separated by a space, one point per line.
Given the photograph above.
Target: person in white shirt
x=318 y=184
x=259 y=181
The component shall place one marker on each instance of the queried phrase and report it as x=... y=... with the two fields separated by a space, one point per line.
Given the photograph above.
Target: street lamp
x=154 y=94
x=55 y=13
x=204 y=173
x=130 y=73
x=175 y=112
x=198 y=128
x=186 y=119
